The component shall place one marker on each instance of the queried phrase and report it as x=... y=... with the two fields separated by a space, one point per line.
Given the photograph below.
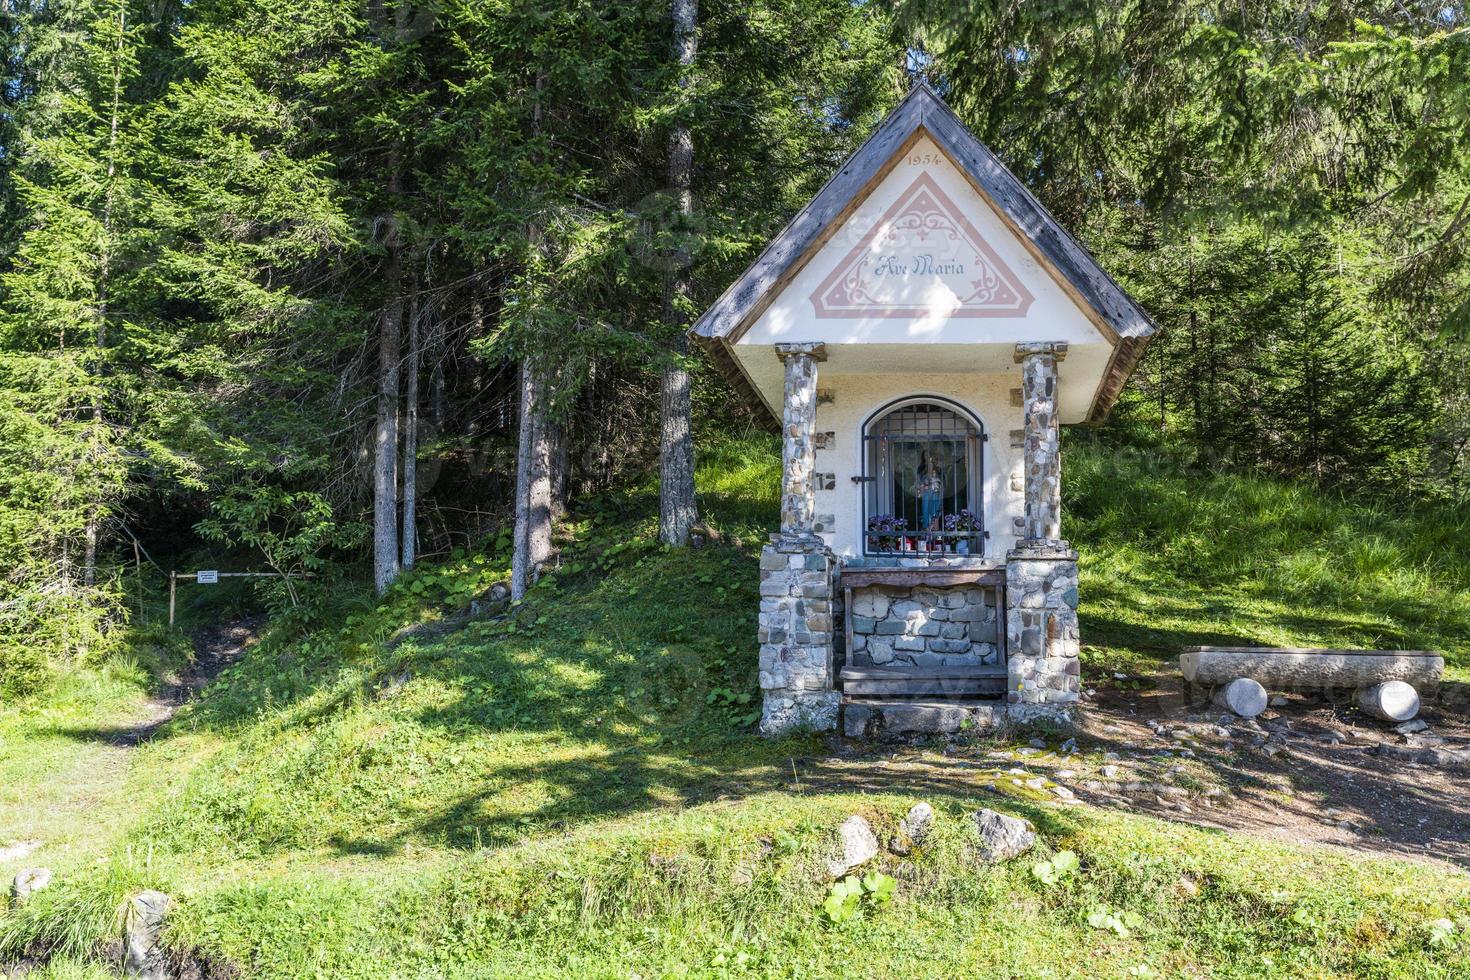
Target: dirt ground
x=215 y=648
x=1311 y=770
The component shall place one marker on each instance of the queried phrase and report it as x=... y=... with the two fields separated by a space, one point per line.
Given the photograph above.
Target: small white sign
x=210 y=577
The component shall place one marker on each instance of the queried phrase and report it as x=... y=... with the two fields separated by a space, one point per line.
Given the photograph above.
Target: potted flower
x=884 y=528
x=965 y=522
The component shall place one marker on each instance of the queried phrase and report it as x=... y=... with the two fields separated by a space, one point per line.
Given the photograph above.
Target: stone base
x=808 y=711
x=1042 y=639
x=874 y=719
x=1021 y=713
x=796 y=637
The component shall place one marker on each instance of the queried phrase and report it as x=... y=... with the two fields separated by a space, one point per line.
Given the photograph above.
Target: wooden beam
x=856 y=578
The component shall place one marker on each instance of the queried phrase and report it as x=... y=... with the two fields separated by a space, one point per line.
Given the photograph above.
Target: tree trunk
x=532 y=545
x=411 y=437
x=533 y=486
x=385 y=461
x=676 y=511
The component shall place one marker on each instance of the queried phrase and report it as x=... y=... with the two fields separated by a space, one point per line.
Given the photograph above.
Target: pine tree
x=66 y=395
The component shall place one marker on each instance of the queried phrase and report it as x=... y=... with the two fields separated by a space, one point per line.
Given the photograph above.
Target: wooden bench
x=1387 y=681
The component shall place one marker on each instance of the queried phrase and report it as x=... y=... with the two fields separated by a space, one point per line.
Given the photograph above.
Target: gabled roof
x=923 y=112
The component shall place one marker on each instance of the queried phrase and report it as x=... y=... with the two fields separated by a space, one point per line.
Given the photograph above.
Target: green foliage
x=851 y=896
x=1119 y=922
x=1060 y=866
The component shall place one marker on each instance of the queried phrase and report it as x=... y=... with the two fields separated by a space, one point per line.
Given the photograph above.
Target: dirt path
x=215 y=648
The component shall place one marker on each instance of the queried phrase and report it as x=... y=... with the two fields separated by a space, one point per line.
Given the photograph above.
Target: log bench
x=1387 y=681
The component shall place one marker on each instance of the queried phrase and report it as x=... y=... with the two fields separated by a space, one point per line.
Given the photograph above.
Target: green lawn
x=574 y=790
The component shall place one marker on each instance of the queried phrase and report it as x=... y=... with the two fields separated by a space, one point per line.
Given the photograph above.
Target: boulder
x=1001 y=837
x=913 y=829
x=144 y=957
x=28 y=882
x=919 y=822
x=859 y=846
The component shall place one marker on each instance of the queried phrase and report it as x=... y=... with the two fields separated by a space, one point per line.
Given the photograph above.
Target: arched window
x=922 y=480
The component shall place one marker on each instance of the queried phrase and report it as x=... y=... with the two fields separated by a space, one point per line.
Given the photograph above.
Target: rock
x=1332 y=738
x=18 y=850
x=1425 y=756
x=1066 y=773
x=1037 y=743
x=1389 y=701
x=1110 y=772
x=1243 y=696
x=1028 y=750
x=28 y=882
x=1064 y=793
x=1112 y=757
x=918 y=823
x=1410 y=727
x=913 y=829
x=1278 y=701
x=858 y=720
x=1069 y=746
x=144 y=958
x=859 y=846
x=1001 y=837
x=490 y=602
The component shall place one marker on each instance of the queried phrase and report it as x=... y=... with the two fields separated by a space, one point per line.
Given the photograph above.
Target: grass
x=1172 y=558
x=573 y=790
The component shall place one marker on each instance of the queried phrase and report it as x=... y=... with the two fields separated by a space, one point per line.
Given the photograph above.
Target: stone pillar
x=798 y=572
x=796 y=630
x=1042 y=446
x=798 y=445
x=1042 y=637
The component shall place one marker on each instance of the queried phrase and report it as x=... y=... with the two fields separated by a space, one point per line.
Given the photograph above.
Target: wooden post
x=173 y=587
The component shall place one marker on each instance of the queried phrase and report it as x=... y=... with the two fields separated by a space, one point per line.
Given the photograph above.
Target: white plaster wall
x=855 y=397
x=1053 y=315
x=935 y=341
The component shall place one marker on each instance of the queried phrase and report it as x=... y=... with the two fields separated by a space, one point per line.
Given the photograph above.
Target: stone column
x=798 y=572
x=1042 y=446
x=798 y=434
x=1042 y=637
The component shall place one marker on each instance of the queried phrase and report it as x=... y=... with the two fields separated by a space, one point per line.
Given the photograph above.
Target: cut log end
x=1242 y=696
x=1389 y=701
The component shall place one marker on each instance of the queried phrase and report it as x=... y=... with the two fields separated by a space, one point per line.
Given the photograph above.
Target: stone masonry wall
x=896 y=626
x=1042 y=642
x=796 y=633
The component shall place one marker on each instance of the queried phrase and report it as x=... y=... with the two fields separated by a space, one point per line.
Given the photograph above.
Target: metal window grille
x=923 y=482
